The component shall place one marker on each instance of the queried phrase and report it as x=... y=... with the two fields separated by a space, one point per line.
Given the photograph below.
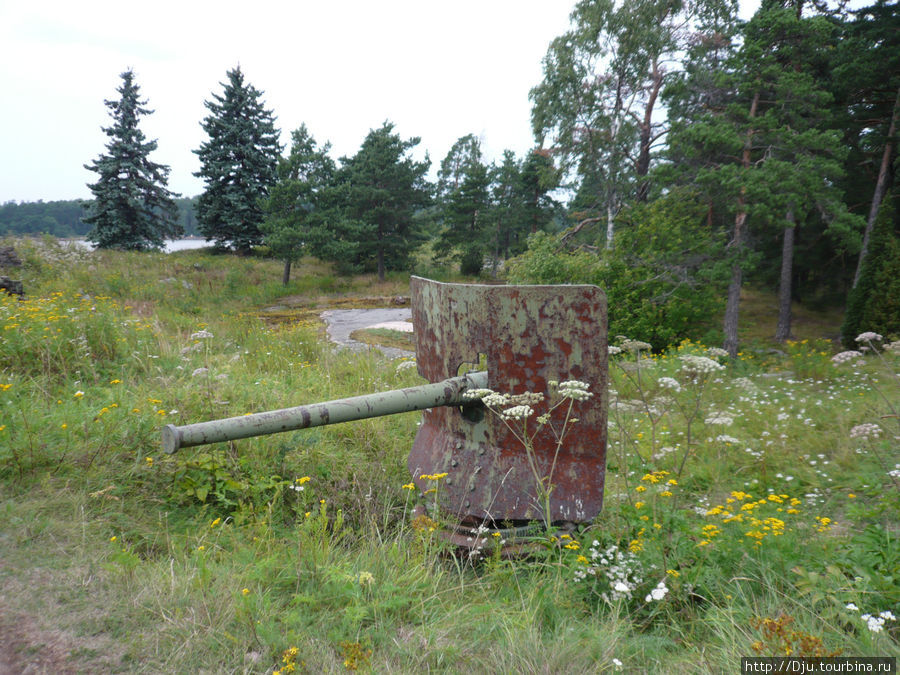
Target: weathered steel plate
x=528 y=335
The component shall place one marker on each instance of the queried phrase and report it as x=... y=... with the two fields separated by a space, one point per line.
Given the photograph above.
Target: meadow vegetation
x=751 y=506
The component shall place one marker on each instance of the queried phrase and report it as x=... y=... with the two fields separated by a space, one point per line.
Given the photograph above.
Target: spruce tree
x=132 y=208
x=238 y=164
x=381 y=188
x=464 y=202
x=297 y=209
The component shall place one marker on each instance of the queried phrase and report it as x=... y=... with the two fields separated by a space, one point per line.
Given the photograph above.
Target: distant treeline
x=63 y=218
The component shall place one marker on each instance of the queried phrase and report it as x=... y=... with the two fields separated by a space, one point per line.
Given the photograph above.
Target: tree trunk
x=783 y=331
x=286 y=274
x=380 y=264
x=642 y=167
x=730 y=325
x=881 y=187
x=610 y=219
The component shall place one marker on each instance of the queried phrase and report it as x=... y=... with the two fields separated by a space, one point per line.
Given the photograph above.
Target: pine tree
x=132 y=208
x=296 y=206
x=464 y=201
x=238 y=163
x=381 y=188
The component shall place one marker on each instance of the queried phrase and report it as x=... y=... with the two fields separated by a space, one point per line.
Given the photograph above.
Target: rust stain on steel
x=529 y=335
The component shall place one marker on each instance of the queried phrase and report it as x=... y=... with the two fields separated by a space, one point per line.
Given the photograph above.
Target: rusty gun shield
x=527 y=336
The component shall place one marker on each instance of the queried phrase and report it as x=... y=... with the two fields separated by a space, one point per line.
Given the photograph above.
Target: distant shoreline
x=171 y=245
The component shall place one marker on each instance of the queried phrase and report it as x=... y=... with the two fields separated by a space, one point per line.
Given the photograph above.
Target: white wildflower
x=717 y=352
x=874 y=623
x=868 y=336
x=720 y=418
x=476 y=394
x=727 y=439
x=844 y=357
x=657 y=593
x=575 y=390
x=201 y=335
x=612 y=349
x=495 y=400
x=634 y=345
x=867 y=430
x=699 y=365
x=622 y=587
x=669 y=383
x=199 y=371
x=852 y=607
x=517 y=412
x=528 y=398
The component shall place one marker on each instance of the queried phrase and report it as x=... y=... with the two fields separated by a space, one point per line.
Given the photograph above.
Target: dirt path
x=25 y=649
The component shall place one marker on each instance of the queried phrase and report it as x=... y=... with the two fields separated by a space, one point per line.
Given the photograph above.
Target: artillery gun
x=527 y=336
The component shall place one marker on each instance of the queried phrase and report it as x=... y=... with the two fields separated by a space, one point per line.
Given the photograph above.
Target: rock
x=12 y=287
x=8 y=257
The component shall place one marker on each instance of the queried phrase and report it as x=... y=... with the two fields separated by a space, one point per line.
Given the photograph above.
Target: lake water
x=173 y=245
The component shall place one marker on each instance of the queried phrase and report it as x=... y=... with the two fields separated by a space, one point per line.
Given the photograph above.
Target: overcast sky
x=438 y=70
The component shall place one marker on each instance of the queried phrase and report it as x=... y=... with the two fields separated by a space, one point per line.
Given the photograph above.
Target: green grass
x=123 y=559
x=385 y=337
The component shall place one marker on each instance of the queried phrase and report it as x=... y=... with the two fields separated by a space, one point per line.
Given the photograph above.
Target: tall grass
x=223 y=559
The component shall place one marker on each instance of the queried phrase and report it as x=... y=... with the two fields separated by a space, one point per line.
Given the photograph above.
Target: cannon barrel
x=448 y=392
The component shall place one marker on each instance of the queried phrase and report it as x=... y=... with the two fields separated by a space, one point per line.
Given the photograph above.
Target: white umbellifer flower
x=717 y=352
x=843 y=357
x=875 y=623
x=699 y=365
x=575 y=394
x=727 y=439
x=852 y=607
x=575 y=390
x=621 y=587
x=723 y=419
x=517 y=412
x=199 y=371
x=474 y=394
x=893 y=347
x=888 y=615
x=669 y=383
x=528 y=398
x=612 y=349
x=495 y=400
x=867 y=430
x=868 y=336
x=657 y=593
x=201 y=335
x=635 y=345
